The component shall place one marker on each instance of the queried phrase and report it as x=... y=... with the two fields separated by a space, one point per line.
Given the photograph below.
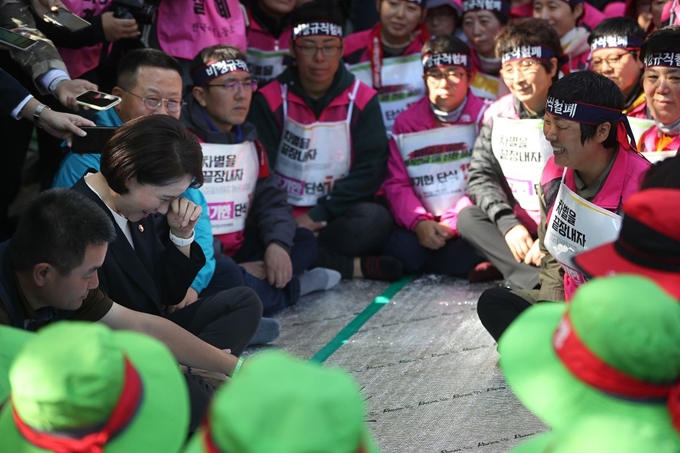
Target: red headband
x=124 y=411
x=593 y=371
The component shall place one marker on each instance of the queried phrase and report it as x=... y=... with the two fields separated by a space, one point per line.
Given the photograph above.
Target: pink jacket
x=623 y=181
x=650 y=141
x=404 y=204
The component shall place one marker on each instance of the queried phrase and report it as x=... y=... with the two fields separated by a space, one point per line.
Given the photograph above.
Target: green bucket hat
x=81 y=387
x=279 y=404
x=612 y=351
x=604 y=435
x=11 y=340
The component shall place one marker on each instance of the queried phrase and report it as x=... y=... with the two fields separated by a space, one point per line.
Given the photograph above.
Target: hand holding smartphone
x=97 y=100
x=66 y=19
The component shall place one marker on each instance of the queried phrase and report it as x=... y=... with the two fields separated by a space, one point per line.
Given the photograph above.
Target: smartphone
x=93 y=142
x=66 y=19
x=15 y=40
x=97 y=100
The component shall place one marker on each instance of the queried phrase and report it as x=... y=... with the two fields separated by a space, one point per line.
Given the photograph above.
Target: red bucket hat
x=648 y=244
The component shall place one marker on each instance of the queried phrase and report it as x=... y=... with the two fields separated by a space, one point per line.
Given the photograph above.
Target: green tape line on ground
x=361 y=319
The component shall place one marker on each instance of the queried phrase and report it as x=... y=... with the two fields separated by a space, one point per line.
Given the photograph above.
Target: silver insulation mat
x=427 y=366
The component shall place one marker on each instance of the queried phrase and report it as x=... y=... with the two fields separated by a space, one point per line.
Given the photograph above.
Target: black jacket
x=153 y=274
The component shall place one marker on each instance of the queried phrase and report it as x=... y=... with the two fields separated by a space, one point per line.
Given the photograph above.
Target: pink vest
x=300 y=112
x=650 y=139
x=623 y=181
x=80 y=61
x=185 y=28
x=404 y=204
x=260 y=40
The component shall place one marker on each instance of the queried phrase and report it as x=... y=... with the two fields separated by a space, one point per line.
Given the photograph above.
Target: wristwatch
x=181 y=242
x=38 y=112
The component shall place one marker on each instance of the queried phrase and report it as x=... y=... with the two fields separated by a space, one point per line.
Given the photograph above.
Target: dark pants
x=457 y=258
x=360 y=231
x=498 y=308
x=228 y=274
x=475 y=226
x=200 y=395
x=226 y=320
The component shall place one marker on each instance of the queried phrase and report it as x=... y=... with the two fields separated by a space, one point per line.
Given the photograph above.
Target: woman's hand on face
x=182 y=217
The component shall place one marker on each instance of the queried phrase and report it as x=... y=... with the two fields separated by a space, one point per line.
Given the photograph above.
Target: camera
x=134 y=9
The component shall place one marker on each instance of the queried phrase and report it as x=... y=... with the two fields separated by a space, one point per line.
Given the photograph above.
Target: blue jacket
x=74 y=166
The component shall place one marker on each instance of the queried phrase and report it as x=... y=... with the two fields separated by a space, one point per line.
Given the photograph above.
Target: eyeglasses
x=525 y=67
x=231 y=85
x=310 y=51
x=613 y=61
x=152 y=103
x=451 y=76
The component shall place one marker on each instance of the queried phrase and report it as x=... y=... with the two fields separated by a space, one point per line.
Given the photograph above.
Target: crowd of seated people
x=262 y=150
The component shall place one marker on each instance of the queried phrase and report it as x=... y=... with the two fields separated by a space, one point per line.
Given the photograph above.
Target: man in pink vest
x=430 y=152
x=326 y=142
x=268 y=36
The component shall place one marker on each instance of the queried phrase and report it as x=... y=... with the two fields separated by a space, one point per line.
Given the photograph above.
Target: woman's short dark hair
x=213 y=53
x=56 y=228
x=530 y=32
x=156 y=150
x=590 y=88
x=666 y=39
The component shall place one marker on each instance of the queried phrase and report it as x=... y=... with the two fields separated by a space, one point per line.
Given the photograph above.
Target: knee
x=304 y=237
x=490 y=302
x=468 y=218
x=375 y=216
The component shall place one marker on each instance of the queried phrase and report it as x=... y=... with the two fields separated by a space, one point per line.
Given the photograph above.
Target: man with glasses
x=249 y=214
x=615 y=45
x=325 y=138
x=430 y=152
x=148 y=82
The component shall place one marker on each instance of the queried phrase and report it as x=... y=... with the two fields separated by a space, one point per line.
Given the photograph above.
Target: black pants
x=360 y=231
x=475 y=226
x=200 y=395
x=226 y=320
x=228 y=274
x=498 y=308
x=457 y=258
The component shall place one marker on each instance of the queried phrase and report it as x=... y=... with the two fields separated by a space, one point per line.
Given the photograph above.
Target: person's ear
x=578 y=12
x=199 y=96
x=602 y=132
x=553 y=71
x=42 y=273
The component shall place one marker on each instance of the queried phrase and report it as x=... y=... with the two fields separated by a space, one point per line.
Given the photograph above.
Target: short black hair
x=590 y=88
x=446 y=44
x=213 y=53
x=617 y=26
x=156 y=149
x=56 y=228
x=664 y=174
x=131 y=62
x=666 y=39
x=318 y=11
x=530 y=32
